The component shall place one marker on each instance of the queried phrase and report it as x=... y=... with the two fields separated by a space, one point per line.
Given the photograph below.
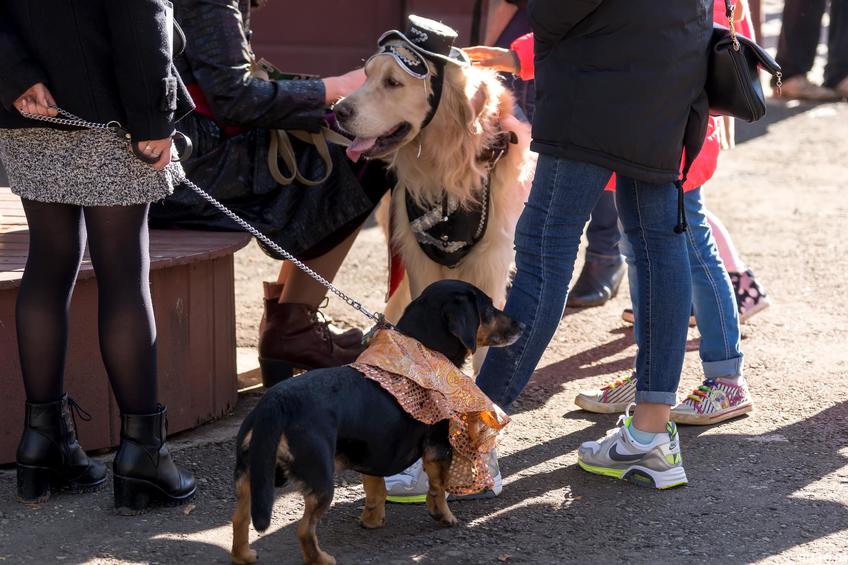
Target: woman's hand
x=37 y=100
x=341 y=86
x=160 y=149
x=495 y=58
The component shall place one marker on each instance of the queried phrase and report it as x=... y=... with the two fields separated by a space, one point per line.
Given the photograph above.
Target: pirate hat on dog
x=424 y=41
x=428 y=39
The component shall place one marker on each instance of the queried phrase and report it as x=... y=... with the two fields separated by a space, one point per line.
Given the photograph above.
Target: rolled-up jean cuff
x=728 y=368
x=655 y=397
x=599 y=259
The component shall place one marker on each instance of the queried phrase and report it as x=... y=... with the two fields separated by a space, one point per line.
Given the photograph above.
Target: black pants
x=799 y=39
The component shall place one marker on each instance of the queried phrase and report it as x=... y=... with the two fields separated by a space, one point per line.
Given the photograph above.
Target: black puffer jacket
x=102 y=60
x=620 y=83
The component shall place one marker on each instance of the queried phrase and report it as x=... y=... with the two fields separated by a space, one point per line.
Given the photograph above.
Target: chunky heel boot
x=49 y=457
x=351 y=338
x=145 y=474
x=295 y=338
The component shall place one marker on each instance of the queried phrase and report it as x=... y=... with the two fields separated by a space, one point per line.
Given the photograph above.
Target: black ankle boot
x=145 y=474
x=50 y=457
x=597 y=284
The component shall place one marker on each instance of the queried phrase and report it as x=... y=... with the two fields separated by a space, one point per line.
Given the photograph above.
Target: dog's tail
x=268 y=425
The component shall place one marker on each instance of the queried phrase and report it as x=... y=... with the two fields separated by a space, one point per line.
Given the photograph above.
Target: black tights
x=118 y=245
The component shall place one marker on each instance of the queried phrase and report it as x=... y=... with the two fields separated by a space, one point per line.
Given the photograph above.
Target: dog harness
x=430 y=389
x=446 y=231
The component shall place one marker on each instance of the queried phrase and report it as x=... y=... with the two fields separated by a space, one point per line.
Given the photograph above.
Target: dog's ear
x=463 y=321
x=478 y=102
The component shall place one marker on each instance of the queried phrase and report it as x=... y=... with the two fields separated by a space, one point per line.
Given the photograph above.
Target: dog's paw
x=323 y=559
x=372 y=522
x=245 y=557
x=445 y=520
x=448 y=521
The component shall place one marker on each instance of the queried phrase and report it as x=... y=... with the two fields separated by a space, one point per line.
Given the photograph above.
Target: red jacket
x=705 y=164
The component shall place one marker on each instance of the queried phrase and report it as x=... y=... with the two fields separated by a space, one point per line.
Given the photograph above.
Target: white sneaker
x=658 y=464
x=497 y=488
x=410 y=486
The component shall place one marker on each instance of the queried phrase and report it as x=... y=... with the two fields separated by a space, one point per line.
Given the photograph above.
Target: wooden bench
x=193 y=297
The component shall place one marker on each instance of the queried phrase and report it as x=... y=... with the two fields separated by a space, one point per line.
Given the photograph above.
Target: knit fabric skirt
x=83 y=168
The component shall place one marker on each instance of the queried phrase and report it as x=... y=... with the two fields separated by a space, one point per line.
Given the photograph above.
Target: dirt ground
x=768 y=488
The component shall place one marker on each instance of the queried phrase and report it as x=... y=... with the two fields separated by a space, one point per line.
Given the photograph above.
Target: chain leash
x=176 y=170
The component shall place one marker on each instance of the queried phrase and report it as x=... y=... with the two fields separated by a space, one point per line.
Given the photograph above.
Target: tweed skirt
x=82 y=168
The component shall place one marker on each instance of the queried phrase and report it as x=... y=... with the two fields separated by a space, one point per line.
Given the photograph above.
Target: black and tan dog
x=305 y=429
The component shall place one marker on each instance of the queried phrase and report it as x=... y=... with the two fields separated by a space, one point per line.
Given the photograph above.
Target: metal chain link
x=179 y=176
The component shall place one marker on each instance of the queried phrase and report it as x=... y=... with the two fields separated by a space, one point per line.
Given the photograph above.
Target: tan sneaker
x=800 y=88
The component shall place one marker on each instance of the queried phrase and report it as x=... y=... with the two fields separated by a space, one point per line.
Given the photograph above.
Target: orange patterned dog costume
x=430 y=389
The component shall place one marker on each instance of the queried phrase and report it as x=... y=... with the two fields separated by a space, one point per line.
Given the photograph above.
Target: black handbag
x=733 y=78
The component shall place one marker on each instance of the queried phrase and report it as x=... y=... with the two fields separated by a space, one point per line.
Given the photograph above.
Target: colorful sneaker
x=628 y=316
x=410 y=486
x=751 y=298
x=612 y=398
x=714 y=401
x=658 y=464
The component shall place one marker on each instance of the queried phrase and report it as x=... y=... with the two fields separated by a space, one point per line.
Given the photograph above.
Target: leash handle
x=178 y=173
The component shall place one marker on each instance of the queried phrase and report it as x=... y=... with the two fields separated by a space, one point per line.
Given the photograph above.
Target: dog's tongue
x=359 y=146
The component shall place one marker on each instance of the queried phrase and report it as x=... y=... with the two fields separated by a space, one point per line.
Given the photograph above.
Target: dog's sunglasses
x=408 y=59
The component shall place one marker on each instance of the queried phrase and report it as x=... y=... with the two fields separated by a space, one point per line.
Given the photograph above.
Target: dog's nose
x=344 y=112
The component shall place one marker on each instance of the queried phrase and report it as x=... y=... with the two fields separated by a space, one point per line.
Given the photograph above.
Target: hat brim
x=457 y=56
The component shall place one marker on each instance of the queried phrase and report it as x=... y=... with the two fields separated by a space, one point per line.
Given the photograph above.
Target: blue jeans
x=712 y=294
x=546 y=241
x=603 y=234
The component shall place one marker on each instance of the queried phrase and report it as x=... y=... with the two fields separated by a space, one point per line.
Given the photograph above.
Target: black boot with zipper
x=145 y=474
x=50 y=458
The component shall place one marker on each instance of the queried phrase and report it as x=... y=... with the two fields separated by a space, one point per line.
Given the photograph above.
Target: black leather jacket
x=218 y=58
x=102 y=60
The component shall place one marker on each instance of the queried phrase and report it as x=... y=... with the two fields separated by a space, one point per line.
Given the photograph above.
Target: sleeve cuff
x=17 y=81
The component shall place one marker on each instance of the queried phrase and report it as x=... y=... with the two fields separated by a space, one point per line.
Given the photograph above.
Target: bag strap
x=281 y=148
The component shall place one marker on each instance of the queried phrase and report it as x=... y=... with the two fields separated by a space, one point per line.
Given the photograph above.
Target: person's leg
x=646 y=449
x=712 y=294
x=48 y=452
x=547 y=238
x=119 y=247
x=300 y=288
x=751 y=297
x=143 y=471
x=799 y=36
x=604 y=268
x=663 y=296
x=723 y=394
x=836 y=71
x=730 y=256
x=56 y=244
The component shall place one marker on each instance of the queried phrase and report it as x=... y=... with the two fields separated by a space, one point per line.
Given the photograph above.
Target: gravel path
x=768 y=488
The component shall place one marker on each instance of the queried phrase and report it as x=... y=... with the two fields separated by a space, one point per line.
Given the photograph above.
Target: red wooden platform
x=193 y=297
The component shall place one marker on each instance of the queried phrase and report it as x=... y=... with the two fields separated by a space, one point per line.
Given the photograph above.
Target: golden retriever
x=385 y=116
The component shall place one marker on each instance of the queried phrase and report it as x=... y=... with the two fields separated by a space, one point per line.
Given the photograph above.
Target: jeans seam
x=534 y=326
x=645 y=305
x=714 y=289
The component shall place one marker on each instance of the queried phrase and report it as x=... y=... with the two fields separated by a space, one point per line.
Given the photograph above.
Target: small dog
x=306 y=428
x=449 y=160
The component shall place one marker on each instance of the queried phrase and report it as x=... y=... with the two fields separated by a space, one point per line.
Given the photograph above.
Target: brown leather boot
x=351 y=338
x=295 y=339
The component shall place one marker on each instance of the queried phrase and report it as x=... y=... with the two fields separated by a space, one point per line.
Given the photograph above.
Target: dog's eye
x=392 y=83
